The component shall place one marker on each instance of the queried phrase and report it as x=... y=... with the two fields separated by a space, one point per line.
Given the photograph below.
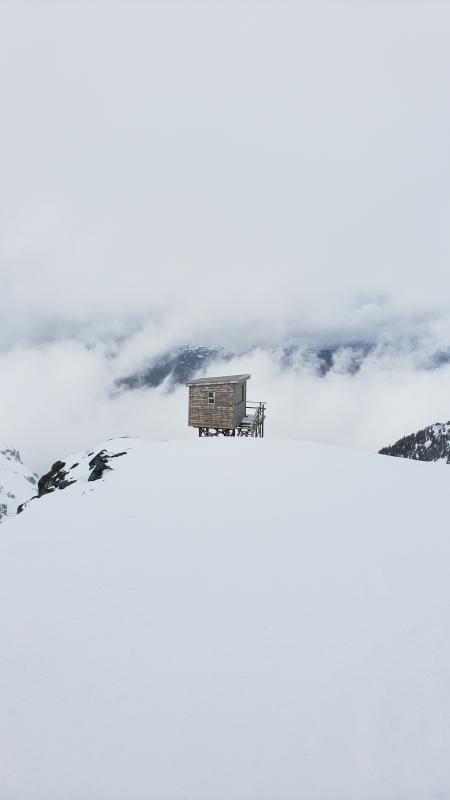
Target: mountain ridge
x=180 y=364
x=428 y=444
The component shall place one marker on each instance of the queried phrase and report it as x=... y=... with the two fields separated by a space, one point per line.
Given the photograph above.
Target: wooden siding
x=219 y=415
x=239 y=403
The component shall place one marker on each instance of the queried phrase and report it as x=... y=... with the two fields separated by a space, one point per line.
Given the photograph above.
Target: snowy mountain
x=428 y=444
x=178 y=365
x=17 y=482
x=198 y=623
x=182 y=363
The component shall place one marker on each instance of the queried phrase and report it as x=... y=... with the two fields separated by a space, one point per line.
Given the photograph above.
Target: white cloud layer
x=61 y=397
x=232 y=173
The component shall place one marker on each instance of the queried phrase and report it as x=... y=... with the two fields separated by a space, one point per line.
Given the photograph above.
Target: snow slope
x=17 y=482
x=223 y=619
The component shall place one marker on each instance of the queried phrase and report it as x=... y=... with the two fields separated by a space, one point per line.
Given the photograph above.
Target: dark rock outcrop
x=99 y=464
x=59 y=476
x=56 y=478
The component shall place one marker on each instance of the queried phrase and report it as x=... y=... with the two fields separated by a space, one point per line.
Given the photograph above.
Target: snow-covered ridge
x=429 y=444
x=17 y=482
x=84 y=467
x=229 y=619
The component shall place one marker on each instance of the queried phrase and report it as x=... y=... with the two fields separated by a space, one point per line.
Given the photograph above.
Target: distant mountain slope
x=179 y=365
x=199 y=624
x=17 y=482
x=428 y=444
x=182 y=363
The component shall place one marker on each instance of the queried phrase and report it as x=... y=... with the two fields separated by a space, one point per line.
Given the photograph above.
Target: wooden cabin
x=219 y=406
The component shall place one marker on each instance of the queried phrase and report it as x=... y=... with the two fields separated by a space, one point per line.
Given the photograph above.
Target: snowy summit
x=228 y=619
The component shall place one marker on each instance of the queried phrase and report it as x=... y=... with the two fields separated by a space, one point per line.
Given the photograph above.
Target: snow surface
x=17 y=482
x=222 y=618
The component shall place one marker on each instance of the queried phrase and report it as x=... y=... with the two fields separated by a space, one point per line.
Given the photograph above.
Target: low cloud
x=62 y=397
x=249 y=170
x=240 y=174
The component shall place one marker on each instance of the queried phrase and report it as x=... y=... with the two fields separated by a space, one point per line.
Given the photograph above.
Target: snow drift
x=229 y=619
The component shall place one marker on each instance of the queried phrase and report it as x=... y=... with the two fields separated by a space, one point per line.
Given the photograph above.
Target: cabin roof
x=219 y=379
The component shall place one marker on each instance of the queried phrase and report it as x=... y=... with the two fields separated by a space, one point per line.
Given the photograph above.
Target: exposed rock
x=56 y=478
x=59 y=478
x=99 y=464
x=84 y=467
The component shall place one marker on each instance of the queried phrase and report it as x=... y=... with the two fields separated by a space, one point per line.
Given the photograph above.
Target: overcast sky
x=221 y=172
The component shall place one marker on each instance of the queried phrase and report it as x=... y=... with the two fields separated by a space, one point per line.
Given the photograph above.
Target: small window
x=243 y=392
x=211 y=398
